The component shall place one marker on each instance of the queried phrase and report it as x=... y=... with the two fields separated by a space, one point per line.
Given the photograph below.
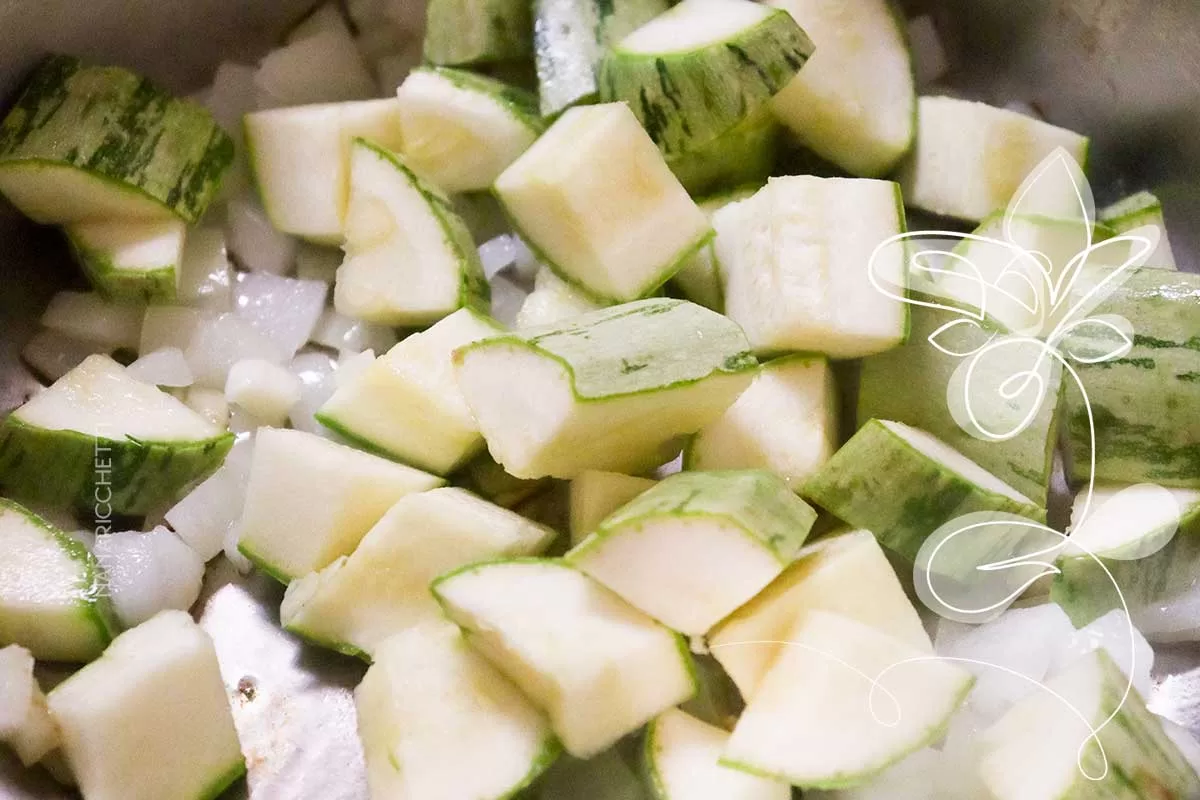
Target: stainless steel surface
x=1126 y=72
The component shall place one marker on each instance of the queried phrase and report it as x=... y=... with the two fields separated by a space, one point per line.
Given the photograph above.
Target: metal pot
x=1126 y=72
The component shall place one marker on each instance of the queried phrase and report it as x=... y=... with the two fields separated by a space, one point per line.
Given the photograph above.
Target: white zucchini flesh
x=91 y=318
x=596 y=666
x=552 y=300
x=846 y=574
x=148 y=572
x=1135 y=211
x=52 y=354
x=407 y=404
x=853 y=102
x=611 y=389
x=154 y=698
x=796 y=257
x=682 y=755
x=970 y=158
x=301 y=160
x=325 y=67
x=345 y=492
x=164 y=367
x=410 y=259
x=595 y=494
x=25 y=723
x=266 y=390
x=597 y=202
x=1034 y=751
x=697 y=545
x=700 y=279
x=787 y=422
x=131 y=260
x=209 y=404
x=437 y=720
x=382 y=588
x=460 y=130
x=814 y=720
x=1129 y=522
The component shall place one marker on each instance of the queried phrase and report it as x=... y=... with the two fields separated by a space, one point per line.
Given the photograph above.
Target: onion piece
x=162 y=367
x=339 y=332
x=210 y=404
x=265 y=390
x=325 y=67
x=285 y=310
x=148 y=573
x=220 y=342
x=507 y=298
x=316 y=372
x=91 y=318
x=206 y=278
x=52 y=354
x=253 y=239
x=203 y=518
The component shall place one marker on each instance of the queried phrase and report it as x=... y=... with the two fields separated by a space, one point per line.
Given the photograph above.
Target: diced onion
x=203 y=518
x=285 y=310
x=164 y=367
x=91 y=318
x=148 y=573
x=253 y=239
x=52 y=354
x=206 y=278
x=323 y=68
x=339 y=332
x=316 y=372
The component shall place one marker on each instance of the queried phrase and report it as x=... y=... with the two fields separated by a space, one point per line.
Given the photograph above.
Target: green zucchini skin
x=1144 y=402
x=121 y=285
x=685 y=100
x=569 y=39
x=121 y=129
x=465 y=32
x=64 y=468
x=745 y=154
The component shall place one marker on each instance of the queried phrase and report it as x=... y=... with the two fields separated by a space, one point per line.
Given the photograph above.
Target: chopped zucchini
x=700 y=280
x=461 y=130
x=462 y=32
x=745 y=153
x=599 y=205
x=552 y=300
x=437 y=720
x=681 y=755
x=301 y=160
x=846 y=574
x=154 y=697
x=98 y=143
x=597 y=667
x=410 y=259
x=787 y=422
x=854 y=103
x=382 y=588
x=595 y=494
x=407 y=406
x=102 y=441
x=569 y=39
x=697 y=545
x=970 y=158
x=695 y=72
x=902 y=484
x=610 y=390
x=843 y=703
x=25 y=722
x=1135 y=211
x=310 y=500
x=797 y=259
x=131 y=261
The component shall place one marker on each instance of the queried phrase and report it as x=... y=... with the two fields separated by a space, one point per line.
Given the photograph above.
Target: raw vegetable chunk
x=52 y=599
x=407 y=406
x=1129 y=522
x=324 y=67
x=410 y=259
x=148 y=573
x=382 y=588
x=1135 y=211
x=1143 y=401
x=596 y=201
x=595 y=494
x=787 y=422
x=150 y=718
x=612 y=775
x=682 y=755
x=461 y=32
x=700 y=280
x=460 y=130
x=745 y=153
x=438 y=721
x=597 y=667
x=569 y=39
x=970 y=158
x=267 y=391
x=796 y=256
x=1040 y=749
x=853 y=103
x=552 y=300
x=846 y=574
x=301 y=160
x=609 y=390
x=911 y=384
x=99 y=437
x=310 y=500
x=902 y=484
x=698 y=70
x=843 y=704
x=131 y=261
x=98 y=143
x=697 y=545
x=483 y=476
x=25 y=723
